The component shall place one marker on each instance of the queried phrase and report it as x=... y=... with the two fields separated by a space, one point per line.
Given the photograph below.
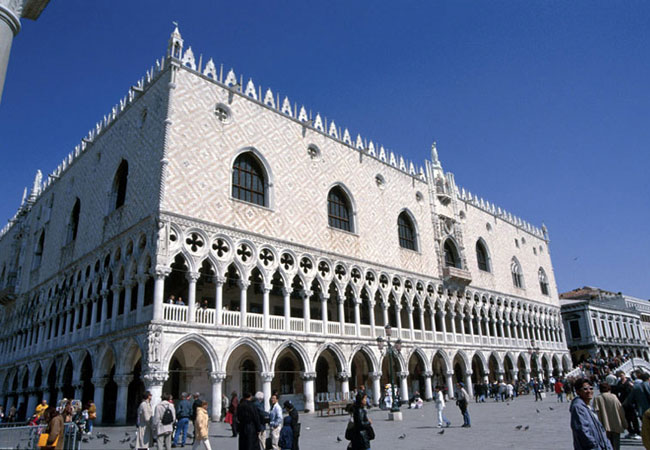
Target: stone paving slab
x=493 y=427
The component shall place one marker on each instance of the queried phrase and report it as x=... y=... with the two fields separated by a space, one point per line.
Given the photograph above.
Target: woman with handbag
x=52 y=437
x=363 y=431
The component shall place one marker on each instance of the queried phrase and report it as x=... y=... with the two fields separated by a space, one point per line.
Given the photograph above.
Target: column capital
x=343 y=376
x=192 y=277
x=243 y=284
x=123 y=380
x=305 y=293
x=402 y=374
x=117 y=287
x=308 y=376
x=161 y=272
x=142 y=277
x=267 y=376
x=219 y=280
x=286 y=291
x=217 y=377
x=374 y=375
x=267 y=287
x=104 y=293
x=129 y=283
x=449 y=373
x=428 y=374
x=99 y=382
x=155 y=378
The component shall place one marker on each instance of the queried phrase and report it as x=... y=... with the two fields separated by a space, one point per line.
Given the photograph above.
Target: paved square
x=493 y=427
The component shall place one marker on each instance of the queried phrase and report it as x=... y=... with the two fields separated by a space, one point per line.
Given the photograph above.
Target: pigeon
x=101 y=435
x=132 y=445
x=402 y=436
x=526 y=427
x=550 y=408
x=508 y=404
x=125 y=440
x=519 y=427
x=126 y=433
x=338 y=439
x=106 y=440
x=84 y=439
x=441 y=432
x=537 y=411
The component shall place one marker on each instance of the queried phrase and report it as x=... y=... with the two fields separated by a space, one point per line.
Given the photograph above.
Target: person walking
x=144 y=434
x=439 y=398
x=588 y=432
x=286 y=435
x=183 y=414
x=249 y=425
x=55 y=429
x=559 y=390
x=232 y=409
x=275 y=422
x=611 y=414
x=264 y=418
x=164 y=417
x=623 y=390
x=462 y=402
x=537 y=388
x=363 y=432
x=638 y=400
x=295 y=424
x=195 y=405
x=201 y=427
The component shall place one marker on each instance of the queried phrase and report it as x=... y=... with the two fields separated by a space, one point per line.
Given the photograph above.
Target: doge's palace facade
x=291 y=244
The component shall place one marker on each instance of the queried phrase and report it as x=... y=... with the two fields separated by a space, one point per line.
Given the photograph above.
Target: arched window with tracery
x=118 y=192
x=406 y=232
x=73 y=224
x=517 y=275
x=543 y=281
x=339 y=211
x=249 y=180
x=451 y=254
x=482 y=256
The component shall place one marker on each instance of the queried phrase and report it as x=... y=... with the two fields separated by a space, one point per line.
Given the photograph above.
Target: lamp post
x=391 y=350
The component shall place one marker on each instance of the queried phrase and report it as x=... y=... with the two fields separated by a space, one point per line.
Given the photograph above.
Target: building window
x=38 y=251
x=73 y=225
x=118 y=193
x=482 y=257
x=406 y=231
x=517 y=276
x=574 y=326
x=451 y=254
x=338 y=209
x=249 y=180
x=543 y=281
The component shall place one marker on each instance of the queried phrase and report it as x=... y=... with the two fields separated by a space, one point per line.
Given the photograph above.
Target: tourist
x=559 y=390
x=264 y=418
x=144 y=434
x=645 y=429
x=611 y=414
x=295 y=424
x=11 y=414
x=164 y=417
x=67 y=412
x=2 y=414
x=40 y=408
x=363 y=432
x=275 y=422
x=537 y=389
x=225 y=401
x=638 y=399
x=171 y=299
x=183 y=414
x=286 y=435
x=195 y=405
x=249 y=424
x=623 y=390
x=510 y=391
x=439 y=399
x=180 y=301
x=55 y=429
x=588 y=432
x=92 y=415
x=232 y=409
x=201 y=427
x=463 y=402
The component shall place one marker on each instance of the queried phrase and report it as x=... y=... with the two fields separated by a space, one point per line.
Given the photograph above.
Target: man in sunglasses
x=588 y=432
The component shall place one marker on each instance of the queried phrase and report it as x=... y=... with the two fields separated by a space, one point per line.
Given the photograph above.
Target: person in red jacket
x=559 y=390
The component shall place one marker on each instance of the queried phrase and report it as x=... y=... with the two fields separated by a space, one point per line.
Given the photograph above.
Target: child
x=286 y=435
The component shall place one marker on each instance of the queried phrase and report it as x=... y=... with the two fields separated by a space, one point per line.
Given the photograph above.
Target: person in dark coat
x=286 y=435
x=232 y=409
x=295 y=424
x=588 y=432
x=249 y=425
x=362 y=424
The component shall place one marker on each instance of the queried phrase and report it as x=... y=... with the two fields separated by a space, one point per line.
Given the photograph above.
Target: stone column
x=450 y=384
x=344 y=378
x=403 y=387
x=122 y=396
x=357 y=317
x=306 y=313
x=493 y=329
x=409 y=312
x=243 y=298
x=46 y=394
x=192 y=278
x=9 y=27
x=128 y=289
x=527 y=375
x=376 y=387
x=75 y=321
x=216 y=378
x=116 y=305
x=423 y=327
x=432 y=316
x=443 y=326
x=142 y=281
x=468 y=383
x=93 y=314
x=384 y=308
x=398 y=317
x=323 y=305
x=32 y=400
x=501 y=328
x=308 y=378
x=428 y=390
x=104 y=299
x=59 y=394
x=266 y=290
x=158 y=291
x=514 y=373
x=218 y=313
x=153 y=382
x=462 y=324
x=341 y=300
x=267 y=378
x=286 y=293
x=98 y=397
x=453 y=326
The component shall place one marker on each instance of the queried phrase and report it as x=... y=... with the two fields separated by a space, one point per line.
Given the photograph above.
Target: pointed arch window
x=339 y=212
x=482 y=256
x=406 y=232
x=249 y=180
x=73 y=224
x=38 y=251
x=543 y=281
x=517 y=275
x=451 y=254
x=118 y=193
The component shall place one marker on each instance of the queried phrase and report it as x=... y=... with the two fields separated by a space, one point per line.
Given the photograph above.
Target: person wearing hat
x=462 y=402
x=295 y=424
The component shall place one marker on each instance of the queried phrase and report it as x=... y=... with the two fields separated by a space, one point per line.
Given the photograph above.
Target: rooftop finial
x=434 y=154
x=36 y=187
x=175 y=43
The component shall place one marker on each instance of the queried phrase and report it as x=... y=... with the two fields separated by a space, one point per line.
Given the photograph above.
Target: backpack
x=167 y=417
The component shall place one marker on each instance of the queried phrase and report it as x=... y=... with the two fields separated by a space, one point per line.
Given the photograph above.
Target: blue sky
x=541 y=107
